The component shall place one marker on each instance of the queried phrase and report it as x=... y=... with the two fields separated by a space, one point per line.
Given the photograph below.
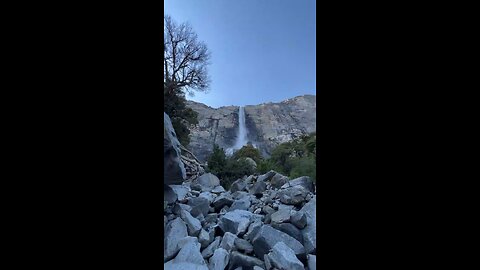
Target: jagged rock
x=284 y=257
x=303 y=181
x=238 y=185
x=242 y=204
x=193 y=225
x=186 y=240
x=309 y=233
x=268 y=210
x=282 y=215
x=257 y=211
x=242 y=244
x=266 y=260
x=228 y=241
x=173 y=167
x=208 y=251
x=267 y=236
x=311 y=262
x=238 y=259
x=222 y=200
x=257 y=268
x=204 y=238
x=293 y=195
x=267 y=176
x=218 y=190
x=196 y=188
x=238 y=195
x=208 y=181
x=289 y=229
x=236 y=221
x=253 y=230
x=181 y=191
x=169 y=195
x=219 y=260
x=212 y=218
x=258 y=188
x=299 y=219
x=189 y=256
x=285 y=207
x=180 y=206
x=175 y=231
x=278 y=180
x=199 y=206
x=208 y=195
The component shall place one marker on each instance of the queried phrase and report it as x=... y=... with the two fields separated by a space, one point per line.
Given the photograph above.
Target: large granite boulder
x=208 y=181
x=236 y=221
x=303 y=181
x=173 y=169
x=309 y=233
x=175 y=231
x=189 y=257
x=283 y=257
x=293 y=195
x=267 y=237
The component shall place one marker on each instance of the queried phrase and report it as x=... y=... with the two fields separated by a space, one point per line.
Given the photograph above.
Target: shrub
x=248 y=151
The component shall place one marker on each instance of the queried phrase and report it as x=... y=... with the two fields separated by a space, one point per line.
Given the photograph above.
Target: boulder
x=303 y=181
x=242 y=204
x=193 y=225
x=267 y=237
x=242 y=244
x=299 y=219
x=238 y=259
x=222 y=200
x=267 y=176
x=208 y=181
x=218 y=190
x=278 y=180
x=169 y=195
x=204 y=238
x=173 y=168
x=186 y=240
x=238 y=185
x=258 y=188
x=293 y=195
x=309 y=233
x=219 y=260
x=208 y=251
x=208 y=195
x=236 y=221
x=283 y=257
x=253 y=230
x=175 y=231
x=228 y=241
x=289 y=229
x=190 y=256
x=311 y=261
x=199 y=206
x=180 y=206
x=282 y=215
x=181 y=191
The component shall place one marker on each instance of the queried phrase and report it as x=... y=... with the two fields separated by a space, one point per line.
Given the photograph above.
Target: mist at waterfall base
x=241 y=135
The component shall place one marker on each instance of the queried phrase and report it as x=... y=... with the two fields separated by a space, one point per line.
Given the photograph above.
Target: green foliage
x=266 y=165
x=217 y=161
x=248 y=151
x=175 y=106
x=305 y=166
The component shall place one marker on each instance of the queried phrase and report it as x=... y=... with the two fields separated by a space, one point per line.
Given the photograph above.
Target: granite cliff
x=268 y=124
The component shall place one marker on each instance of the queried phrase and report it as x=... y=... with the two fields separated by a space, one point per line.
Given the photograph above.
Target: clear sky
x=261 y=50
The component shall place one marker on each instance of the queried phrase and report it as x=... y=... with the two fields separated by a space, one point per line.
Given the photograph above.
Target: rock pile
x=262 y=222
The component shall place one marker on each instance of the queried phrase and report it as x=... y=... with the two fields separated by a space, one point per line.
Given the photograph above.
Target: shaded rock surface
x=173 y=168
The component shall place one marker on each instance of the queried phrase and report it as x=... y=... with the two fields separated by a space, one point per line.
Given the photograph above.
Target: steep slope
x=268 y=124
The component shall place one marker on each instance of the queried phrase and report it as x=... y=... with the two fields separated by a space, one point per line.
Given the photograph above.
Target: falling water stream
x=242 y=132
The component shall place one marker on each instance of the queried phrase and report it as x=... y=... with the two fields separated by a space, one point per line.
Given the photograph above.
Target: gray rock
x=299 y=219
x=282 y=206
x=180 y=206
x=266 y=260
x=218 y=190
x=208 y=181
x=186 y=240
x=238 y=259
x=258 y=188
x=183 y=266
x=169 y=195
x=238 y=195
x=173 y=168
x=257 y=211
x=289 y=229
x=228 y=241
x=199 y=206
x=267 y=176
x=253 y=229
x=278 y=180
x=204 y=238
x=236 y=221
x=303 y=181
x=284 y=257
x=242 y=204
x=282 y=215
x=208 y=251
x=309 y=233
x=175 y=231
x=193 y=225
x=189 y=254
x=293 y=195
x=208 y=195
x=267 y=236
x=268 y=210
x=212 y=218
x=238 y=185
x=181 y=191
x=311 y=262
x=222 y=200
x=242 y=244
x=257 y=268
x=219 y=260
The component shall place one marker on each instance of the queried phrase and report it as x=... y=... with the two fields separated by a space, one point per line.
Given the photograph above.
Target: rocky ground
x=262 y=222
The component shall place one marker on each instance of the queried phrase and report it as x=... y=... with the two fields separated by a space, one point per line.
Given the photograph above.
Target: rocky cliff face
x=268 y=124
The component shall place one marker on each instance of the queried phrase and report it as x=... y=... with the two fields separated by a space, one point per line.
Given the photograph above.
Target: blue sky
x=261 y=50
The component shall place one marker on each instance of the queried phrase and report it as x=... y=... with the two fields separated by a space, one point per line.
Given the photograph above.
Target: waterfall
x=241 y=134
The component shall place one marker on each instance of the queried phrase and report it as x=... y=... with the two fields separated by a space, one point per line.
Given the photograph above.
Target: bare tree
x=185 y=59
